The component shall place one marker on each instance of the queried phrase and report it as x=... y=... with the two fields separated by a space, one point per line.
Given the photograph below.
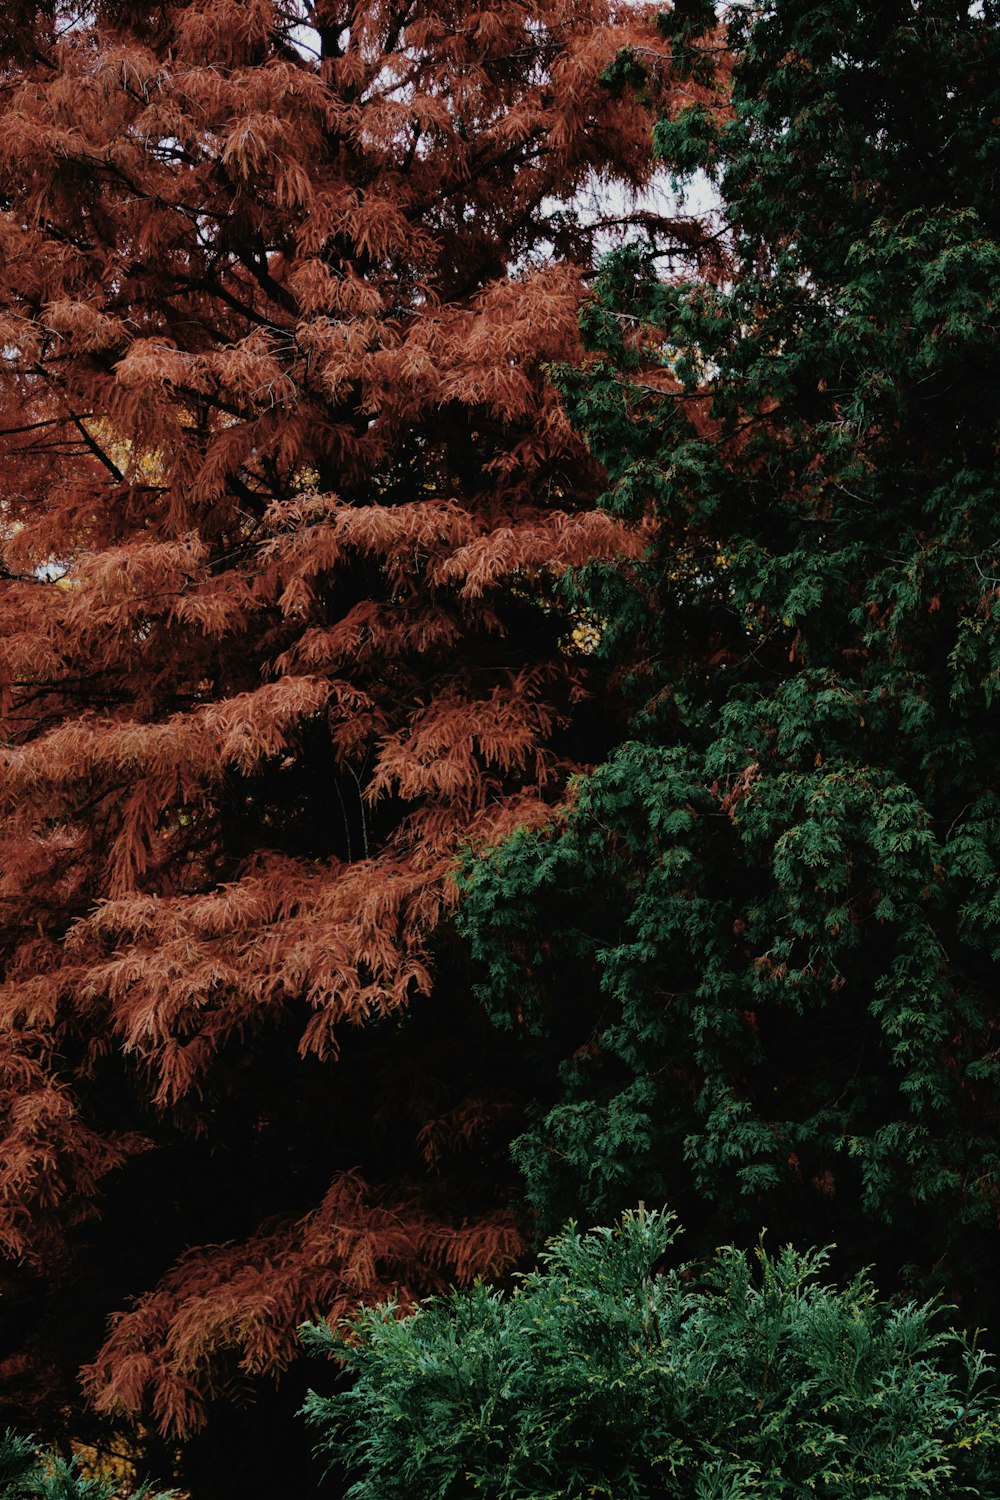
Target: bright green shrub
x=602 y=1375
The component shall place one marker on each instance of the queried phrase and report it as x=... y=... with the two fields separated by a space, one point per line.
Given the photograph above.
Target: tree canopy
x=387 y=588
x=755 y=959
x=286 y=494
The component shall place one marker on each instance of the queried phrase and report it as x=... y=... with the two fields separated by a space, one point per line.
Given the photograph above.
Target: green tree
x=603 y=1375
x=755 y=961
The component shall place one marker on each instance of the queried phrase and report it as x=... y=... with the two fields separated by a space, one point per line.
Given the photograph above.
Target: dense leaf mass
x=308 y=599
x=285 y=498
x=762 y=942
x=607 y=1374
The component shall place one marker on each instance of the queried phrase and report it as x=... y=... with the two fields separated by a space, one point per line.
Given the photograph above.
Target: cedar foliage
x=285 y=500
x=755 y=960
x=606 y=1373
x=27 y=1474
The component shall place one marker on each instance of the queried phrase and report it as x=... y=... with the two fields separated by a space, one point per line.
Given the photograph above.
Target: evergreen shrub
x=607 y=1372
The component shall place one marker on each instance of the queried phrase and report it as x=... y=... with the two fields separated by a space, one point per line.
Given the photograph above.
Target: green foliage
x=18 y=1466
x=28 y=1474
x=755 y=962
x=603 y=1374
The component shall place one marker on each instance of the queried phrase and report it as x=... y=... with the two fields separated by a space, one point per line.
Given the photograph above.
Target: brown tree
x=285 y=501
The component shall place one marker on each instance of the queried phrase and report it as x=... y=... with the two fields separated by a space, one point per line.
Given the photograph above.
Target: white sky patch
x=610 y=208
x=306 y=39
x=698 y=198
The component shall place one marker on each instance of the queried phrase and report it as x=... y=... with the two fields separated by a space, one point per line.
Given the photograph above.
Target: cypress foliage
x=28 y=1474
x=606 y=1374
x=755 y=960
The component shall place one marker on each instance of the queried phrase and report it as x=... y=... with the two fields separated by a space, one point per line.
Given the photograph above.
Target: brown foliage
x=251 y=1297
x=285 y=494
